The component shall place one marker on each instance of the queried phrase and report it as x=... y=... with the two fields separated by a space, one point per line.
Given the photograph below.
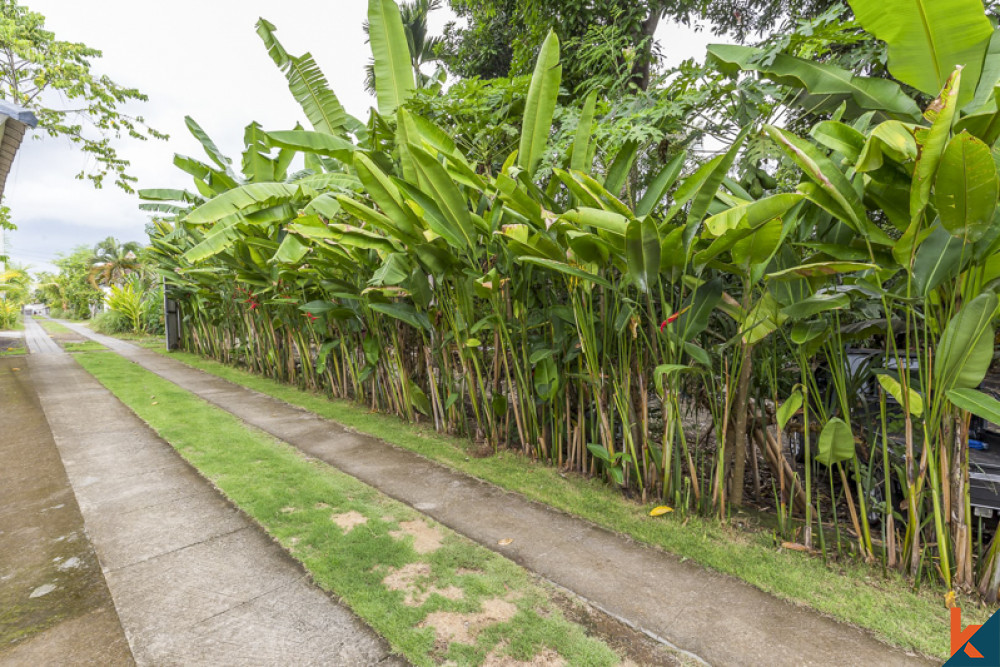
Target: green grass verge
x=18 y=324
x=297 y=499
x=52 y=326
x=880 y=601
x=142 y=340
x=88 y=346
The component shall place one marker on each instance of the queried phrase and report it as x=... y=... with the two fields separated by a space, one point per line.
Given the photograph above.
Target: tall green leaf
x=662 y=182
x=246 y=198
x=393 y=64
x=938 y=259
x=965 y=350
x=540 y=105
x=928 y=39
x=434 y=180
x=642 y=252
x=565 y=269
x=206 y=142
x=307 y=84
x=319 y=143
x=836 y=443
x=976 y=402
x=820 y=79
x=966 y=188
x=933 y=143
x=291 y=250
x=581 y=139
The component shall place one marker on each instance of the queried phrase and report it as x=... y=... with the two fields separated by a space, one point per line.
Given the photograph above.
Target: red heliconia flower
x=673 y=318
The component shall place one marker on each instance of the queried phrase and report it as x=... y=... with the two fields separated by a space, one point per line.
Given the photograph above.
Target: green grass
x=13 y=352
x=863 y=595
x=150 y=342
x=88 y=346
x=294 y=498
x=18 y=324
x=51 y=326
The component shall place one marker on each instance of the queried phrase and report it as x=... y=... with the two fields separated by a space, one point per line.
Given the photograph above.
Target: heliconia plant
x=535 y=309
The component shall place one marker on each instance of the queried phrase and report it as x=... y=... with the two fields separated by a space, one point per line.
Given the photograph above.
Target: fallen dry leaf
x=505 y=541
x=949 y=599
x=795 y=546
x=660 y=511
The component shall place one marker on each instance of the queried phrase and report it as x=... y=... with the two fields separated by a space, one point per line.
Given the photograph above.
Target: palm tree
x=423 y=47
x=113 y=261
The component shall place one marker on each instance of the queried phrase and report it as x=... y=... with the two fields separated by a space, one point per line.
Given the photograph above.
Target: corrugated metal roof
x=15 y=121
x=18 y=113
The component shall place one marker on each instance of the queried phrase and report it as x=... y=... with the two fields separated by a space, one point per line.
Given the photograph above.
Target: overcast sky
x=201 y=59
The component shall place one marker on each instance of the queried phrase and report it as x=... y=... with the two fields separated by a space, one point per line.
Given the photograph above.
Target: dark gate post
x=171 y=320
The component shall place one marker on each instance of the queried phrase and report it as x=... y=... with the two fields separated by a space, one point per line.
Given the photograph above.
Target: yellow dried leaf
x=505 y=541
x=949 y=599
x=660 y=511
x=794 y=546
x=15 y=369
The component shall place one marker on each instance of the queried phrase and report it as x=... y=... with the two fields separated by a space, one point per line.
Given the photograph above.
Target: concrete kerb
x=735 y=624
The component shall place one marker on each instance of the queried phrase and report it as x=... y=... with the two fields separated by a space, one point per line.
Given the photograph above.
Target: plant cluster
x=639 y=315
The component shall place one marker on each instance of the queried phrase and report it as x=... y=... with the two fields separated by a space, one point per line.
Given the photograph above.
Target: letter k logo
x=960 y=637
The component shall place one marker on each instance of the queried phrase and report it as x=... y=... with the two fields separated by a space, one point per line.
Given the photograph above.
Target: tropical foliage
x=671 y=323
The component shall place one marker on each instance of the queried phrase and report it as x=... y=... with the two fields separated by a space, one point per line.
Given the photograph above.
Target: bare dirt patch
x=547 y=658
x=412 y=579
x=349 y=520
x=426 y=538
x=462 y=628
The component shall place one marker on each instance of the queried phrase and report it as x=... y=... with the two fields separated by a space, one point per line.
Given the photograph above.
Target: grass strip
x=52 y=326
x=88 y=346
x=395 y=568
x=882 y=602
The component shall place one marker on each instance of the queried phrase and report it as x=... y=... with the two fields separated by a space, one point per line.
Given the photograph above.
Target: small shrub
x=152 y=312
x=10 y=315
x=111 y=322
x=127 y=301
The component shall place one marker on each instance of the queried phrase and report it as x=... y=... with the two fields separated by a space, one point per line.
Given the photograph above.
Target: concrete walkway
x=194 y=581
x=54 y=602
x=38 y=339
x=714 y=617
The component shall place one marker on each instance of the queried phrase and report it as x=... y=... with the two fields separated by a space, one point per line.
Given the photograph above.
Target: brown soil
x=547 y=658
x=413 y=580
x=348 y=520
x=452 y=626
x=426 y=538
